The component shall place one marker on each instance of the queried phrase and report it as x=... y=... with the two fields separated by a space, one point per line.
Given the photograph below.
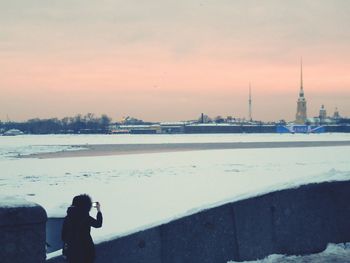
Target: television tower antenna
x=250 y=103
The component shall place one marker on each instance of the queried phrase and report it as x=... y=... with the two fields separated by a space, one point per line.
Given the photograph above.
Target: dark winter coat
x=76 y=235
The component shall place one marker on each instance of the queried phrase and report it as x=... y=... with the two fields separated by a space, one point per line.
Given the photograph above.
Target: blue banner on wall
x=299 y=129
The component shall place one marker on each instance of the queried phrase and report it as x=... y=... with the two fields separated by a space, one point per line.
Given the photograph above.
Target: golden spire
x=301 y=93
x=301 y=73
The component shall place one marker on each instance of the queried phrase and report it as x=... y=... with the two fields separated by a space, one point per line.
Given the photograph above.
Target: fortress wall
x=293 y=221
x=337 y=128
x=230 y=129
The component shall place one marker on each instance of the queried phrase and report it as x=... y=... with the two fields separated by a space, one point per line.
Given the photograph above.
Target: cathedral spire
x=301 y=115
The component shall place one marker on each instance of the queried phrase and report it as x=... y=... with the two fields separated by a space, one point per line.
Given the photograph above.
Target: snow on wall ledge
x=293 y=222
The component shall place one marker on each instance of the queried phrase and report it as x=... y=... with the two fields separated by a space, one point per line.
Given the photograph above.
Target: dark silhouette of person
x=78 y=246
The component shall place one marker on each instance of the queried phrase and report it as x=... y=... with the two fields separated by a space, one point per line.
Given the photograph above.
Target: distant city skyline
x=168 y=61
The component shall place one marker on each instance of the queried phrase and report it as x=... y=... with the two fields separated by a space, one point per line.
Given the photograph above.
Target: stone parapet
x=297 y=221
x=22 y=231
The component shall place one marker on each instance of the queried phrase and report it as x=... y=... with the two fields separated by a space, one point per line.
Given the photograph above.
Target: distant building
x=204 y=118
x=336 y=114
x=301 y=114
x=323 y=113
x=172 y=127
x=139 y=129
x=13 y=132
x=323 y=119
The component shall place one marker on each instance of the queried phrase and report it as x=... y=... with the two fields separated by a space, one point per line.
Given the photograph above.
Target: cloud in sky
x=165 y=59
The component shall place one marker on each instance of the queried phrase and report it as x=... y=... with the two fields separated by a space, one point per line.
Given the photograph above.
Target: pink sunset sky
x=163 y=60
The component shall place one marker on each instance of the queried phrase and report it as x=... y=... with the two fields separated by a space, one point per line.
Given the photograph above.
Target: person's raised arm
x=97 y=223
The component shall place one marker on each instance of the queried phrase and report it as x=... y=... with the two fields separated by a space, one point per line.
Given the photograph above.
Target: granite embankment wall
x=294 y=221
x=22 y=231
x=252 y=128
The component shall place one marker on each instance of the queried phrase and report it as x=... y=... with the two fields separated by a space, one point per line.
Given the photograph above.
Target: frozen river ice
x=137 y=191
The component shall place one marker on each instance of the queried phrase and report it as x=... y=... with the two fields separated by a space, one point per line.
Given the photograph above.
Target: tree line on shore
x=88 y=123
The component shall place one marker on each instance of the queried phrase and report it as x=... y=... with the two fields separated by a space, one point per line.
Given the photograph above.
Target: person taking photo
x=78 y=246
